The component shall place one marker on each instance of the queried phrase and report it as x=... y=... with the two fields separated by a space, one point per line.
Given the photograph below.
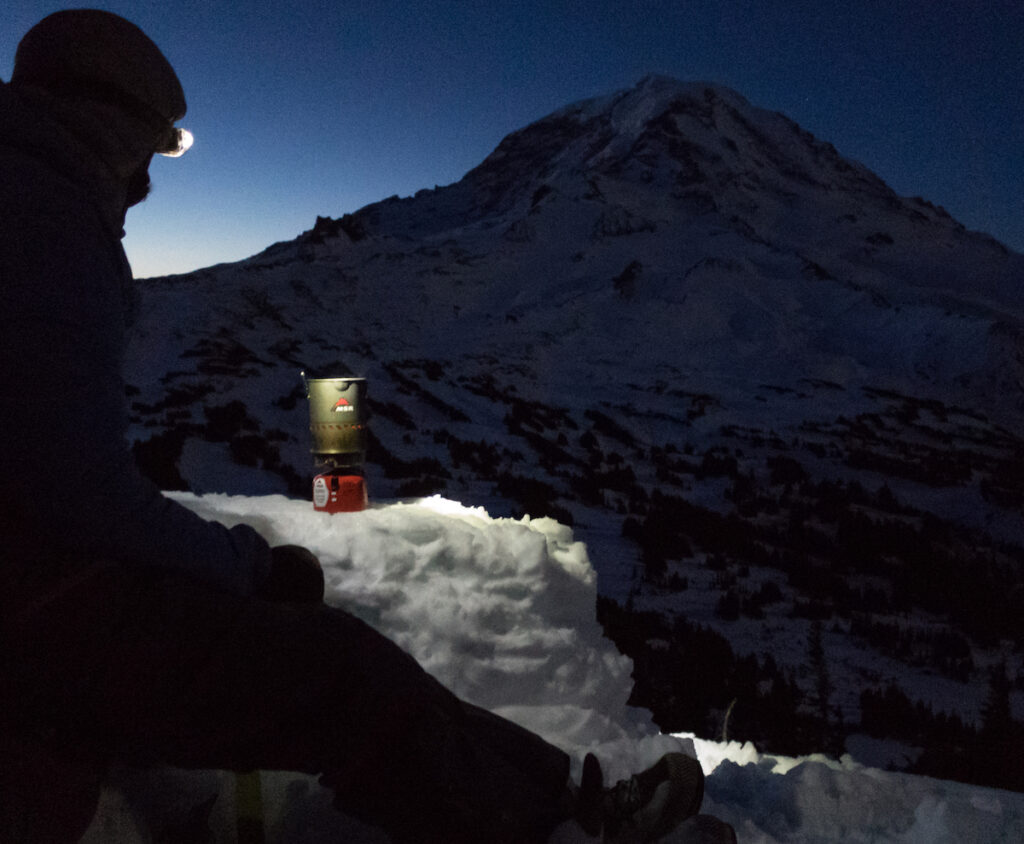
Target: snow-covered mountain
x=774 y=398
x=677 y=229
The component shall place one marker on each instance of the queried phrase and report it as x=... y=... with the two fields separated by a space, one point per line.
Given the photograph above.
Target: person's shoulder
x=36 y=151
x=36 y=200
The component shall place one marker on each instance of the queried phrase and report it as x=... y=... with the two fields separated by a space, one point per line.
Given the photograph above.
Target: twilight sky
x=314 y=107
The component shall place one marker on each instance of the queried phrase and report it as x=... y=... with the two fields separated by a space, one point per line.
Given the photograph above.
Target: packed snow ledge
x=503 y=612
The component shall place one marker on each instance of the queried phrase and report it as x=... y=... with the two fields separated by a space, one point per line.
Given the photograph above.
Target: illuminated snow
x=502 y=611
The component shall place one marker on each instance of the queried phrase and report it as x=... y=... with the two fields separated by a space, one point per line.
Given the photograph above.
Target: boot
x=644 y=807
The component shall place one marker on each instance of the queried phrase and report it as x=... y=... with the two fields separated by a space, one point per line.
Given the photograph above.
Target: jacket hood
x=98 y=48
x=94 y=147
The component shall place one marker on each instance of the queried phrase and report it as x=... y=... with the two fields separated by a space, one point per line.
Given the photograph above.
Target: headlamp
x=173 y=142
x=178 y=143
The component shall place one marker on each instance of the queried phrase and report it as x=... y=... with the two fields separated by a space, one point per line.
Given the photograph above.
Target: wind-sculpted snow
x=503 y=611
x=815 y=799
x=500 y=610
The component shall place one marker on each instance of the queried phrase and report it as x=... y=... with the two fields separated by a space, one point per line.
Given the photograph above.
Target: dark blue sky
x=307 y=108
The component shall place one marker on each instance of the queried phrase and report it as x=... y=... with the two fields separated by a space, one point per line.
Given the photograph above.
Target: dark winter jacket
x=68 y=483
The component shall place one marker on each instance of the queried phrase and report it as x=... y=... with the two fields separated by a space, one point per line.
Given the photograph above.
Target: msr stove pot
x=337 y=423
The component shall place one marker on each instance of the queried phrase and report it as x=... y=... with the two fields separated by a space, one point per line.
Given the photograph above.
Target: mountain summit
x=699 y=158
x=675 y=228
x=668 y=233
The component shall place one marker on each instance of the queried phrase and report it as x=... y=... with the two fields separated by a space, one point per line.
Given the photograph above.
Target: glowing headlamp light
x=178 y=143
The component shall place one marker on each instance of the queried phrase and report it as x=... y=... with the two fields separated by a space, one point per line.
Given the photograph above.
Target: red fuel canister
x=334 y=492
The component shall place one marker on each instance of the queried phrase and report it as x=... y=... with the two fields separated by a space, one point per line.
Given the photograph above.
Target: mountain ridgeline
x=780 y=403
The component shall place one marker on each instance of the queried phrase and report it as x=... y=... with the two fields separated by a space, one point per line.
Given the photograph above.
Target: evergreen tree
x=821 y=691
x=1000 y=737
x=996 y=719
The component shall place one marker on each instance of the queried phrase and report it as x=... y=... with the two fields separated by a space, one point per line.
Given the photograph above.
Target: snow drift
x=502 y=611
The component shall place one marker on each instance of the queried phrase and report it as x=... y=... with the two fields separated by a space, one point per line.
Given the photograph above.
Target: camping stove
x=337 y=423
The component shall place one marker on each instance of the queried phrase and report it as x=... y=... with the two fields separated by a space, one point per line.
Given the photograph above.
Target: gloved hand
x=295 y=576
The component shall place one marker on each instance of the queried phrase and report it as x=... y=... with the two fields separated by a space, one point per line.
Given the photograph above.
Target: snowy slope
x=502 y=611
x=663 y=292
x=672 y=230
